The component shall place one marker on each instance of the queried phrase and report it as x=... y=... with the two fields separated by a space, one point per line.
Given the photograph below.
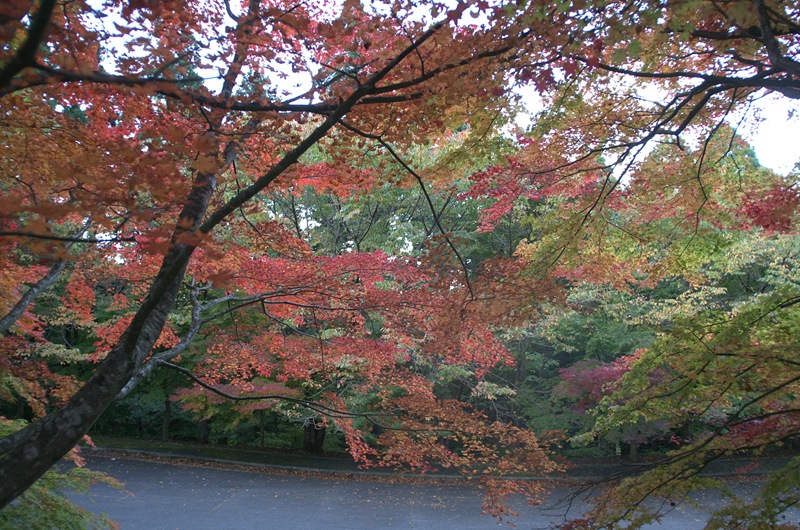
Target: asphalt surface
x=162 y=496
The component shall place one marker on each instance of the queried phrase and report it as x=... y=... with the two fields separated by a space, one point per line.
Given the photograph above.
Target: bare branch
x=26 y=54
x=66 y=239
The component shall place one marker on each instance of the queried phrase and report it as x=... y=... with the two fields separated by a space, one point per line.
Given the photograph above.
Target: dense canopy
x=330 y=210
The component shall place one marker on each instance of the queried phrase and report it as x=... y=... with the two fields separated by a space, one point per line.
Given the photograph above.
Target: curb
x=198 y=460
x=613 y=472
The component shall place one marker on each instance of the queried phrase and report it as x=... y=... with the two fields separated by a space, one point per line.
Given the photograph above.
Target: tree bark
x=203 y=432
x=313 y=437
x=633 y=453
x=26 y=454
x=167 y=419
x=26 y=54
x=262 y=427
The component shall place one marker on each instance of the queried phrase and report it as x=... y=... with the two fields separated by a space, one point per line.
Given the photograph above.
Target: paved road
x=169 y=497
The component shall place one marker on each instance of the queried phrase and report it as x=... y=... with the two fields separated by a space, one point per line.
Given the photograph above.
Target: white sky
x=773 y=129
x=776 y=140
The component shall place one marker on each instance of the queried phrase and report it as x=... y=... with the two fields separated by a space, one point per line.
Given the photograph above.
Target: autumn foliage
x=197 y=187
x=137 y=137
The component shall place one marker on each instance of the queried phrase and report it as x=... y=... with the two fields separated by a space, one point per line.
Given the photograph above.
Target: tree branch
x=427 y=196
x=36 y=289
x=66 y=239
x=26 y=54
x=318 y=133
x=30 y=295
x=311 y=405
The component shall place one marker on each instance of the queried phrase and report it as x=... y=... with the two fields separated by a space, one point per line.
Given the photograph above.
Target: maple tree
x=722 y=379
x=638 y=178
x=140 y=189
x=710 y=276
x=139 y=139
x=721 y=376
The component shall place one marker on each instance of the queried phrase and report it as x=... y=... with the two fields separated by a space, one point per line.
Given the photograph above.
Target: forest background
x=321 y=226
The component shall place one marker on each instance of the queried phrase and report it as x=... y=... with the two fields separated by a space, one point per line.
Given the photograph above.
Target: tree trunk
x=203 y=432
x=633 y=454
x=26 y=454
x=313 y=437
x=262 y=427
x=22 y=409
x=167 y=419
